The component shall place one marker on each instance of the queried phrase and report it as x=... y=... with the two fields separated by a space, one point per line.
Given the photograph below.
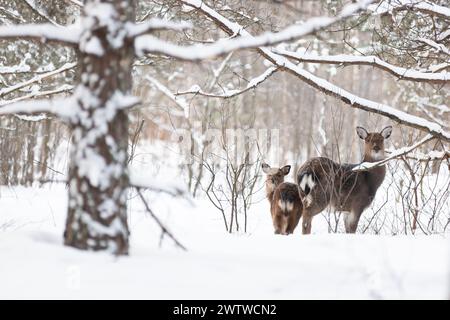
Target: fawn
x=285 y=202
x=323 y=182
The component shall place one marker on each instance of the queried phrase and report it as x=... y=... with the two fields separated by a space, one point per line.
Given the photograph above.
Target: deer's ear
x=285 y=170
x=362 y=133
x=386 y=132
x=265 y=168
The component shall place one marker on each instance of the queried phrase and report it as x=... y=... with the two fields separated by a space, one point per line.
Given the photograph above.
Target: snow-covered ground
x=217 y=265
x=257 y=265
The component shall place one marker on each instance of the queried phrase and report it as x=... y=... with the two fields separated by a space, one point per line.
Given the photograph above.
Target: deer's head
x=275 y=176
x=374 y=142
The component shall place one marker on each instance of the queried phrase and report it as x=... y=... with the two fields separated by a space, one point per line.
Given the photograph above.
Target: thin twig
x=163 y=228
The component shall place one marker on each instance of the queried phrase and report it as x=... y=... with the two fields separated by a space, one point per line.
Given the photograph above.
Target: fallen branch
x=160 y=224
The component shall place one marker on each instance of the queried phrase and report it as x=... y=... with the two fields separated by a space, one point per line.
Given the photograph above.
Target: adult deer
x=285 y=202
x=323 y=182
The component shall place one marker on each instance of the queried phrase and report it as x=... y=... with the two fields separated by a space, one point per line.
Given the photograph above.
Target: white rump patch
x=289 y=206
x=282 y=205
x=307 y=181
x=285 y=205
x=311 y=182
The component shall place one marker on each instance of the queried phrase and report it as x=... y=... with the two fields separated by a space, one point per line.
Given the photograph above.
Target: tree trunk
x=98 y=179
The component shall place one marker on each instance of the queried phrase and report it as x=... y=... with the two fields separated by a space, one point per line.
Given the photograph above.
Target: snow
x=62 y=107
x=38 y=78
x=153 y=24
x=146 y=180
x=149 y=44
x=93 y=46
x=439 y=47
x=426 y=6
x=22 y=67
x=180 y=102
x=69 y=34
x=229 y=93
x=217 y=265
x=324 y=85
x=394 y=154
x=402 y=73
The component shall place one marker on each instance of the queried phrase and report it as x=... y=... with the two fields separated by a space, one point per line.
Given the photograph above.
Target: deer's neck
x=375 y=176
x=270 y=189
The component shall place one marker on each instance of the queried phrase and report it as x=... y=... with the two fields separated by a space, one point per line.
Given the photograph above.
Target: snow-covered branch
x=401 y=73
x=154 y=24
x=397 y=153
x=180 y=102
x=253 y=83
x=77 y=2
x=430 y=156
x=62 y=89
x=148 y=44
x=41 y=11
x=38 y=78
x=44 y=32
x=321 y=84
x=437 y=46
x=420 y=5
x=64 y=108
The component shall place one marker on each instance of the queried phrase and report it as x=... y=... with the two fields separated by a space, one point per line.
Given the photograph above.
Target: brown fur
x=285 y=203
x=336 y=185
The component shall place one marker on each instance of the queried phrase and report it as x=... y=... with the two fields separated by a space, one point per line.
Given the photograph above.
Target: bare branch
x=401 y=73
x=181 y=103
x=160 y=224
x=253 y=83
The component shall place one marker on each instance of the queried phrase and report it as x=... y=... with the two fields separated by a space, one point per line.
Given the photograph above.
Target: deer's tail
x=306 y=181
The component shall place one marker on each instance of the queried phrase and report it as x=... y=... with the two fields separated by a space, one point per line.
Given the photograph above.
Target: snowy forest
x=225 y=149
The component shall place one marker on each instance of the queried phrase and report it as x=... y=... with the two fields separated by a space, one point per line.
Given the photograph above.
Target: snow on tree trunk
x=98 y=178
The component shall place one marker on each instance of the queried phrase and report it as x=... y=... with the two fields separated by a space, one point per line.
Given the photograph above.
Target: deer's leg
x=277 y=224
x=351 y=220
x=306 y=223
